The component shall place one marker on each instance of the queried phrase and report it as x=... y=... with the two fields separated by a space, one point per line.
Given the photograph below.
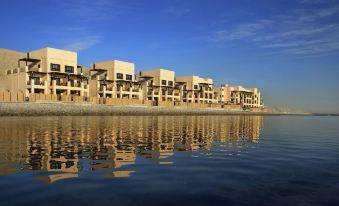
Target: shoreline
x=87 y=109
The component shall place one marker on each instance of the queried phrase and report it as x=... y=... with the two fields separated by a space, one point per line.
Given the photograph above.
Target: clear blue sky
x=289 y=49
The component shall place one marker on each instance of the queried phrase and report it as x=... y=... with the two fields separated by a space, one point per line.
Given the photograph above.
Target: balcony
x=37 y=83
x=126 y=89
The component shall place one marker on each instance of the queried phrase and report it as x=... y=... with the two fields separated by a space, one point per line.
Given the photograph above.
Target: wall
x=9 y=60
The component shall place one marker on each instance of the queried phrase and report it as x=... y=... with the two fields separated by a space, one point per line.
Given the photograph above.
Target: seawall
x=86 y=109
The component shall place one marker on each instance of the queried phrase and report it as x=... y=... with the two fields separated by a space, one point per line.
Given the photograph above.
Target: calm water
x=193 y=160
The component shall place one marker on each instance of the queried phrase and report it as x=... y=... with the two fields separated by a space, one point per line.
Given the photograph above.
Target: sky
x=288 y=49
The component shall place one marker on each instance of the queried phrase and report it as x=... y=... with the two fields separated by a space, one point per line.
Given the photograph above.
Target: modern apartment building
x=159 y=85
x=46 y=70
x=114 y=79
x=197 y=89
x=56 y=72
x=238 y=95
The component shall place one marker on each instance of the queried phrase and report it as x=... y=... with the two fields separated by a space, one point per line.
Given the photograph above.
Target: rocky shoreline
x=86 y=109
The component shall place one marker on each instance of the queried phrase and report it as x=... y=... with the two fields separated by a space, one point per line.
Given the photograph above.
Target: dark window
x=195 y=86
x=69 y=69
x=163 y=82
x=128 y=77
x=120 y=76
x=55 y=67
x=170 y=83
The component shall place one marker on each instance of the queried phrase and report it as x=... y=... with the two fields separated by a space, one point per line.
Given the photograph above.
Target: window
x=55 y=67
x=163 y=82
x=120 y=76
x=128 y=77
x=195 y=86
x=69 y=69
x=170 y=83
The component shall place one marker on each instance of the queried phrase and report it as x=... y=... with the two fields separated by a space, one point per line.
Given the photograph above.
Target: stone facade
x=56 y=72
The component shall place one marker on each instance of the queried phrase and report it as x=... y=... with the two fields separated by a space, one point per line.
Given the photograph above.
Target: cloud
x=242 y=31
x=83 y=43
x=177 y=11
x=92 y=10
x=297 y=31
x=81 y=31
x=75 y=38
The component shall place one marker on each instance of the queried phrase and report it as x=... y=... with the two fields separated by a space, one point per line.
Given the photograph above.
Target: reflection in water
x=64 y=146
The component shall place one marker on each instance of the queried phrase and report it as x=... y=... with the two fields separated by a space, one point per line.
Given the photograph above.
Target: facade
x=56 y=72
x=159 y=85
x=197 y=89
x=47 y=71
x=238 y=95
x=114 y=79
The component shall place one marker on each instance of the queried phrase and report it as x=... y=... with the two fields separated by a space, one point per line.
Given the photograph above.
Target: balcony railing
x=126 y=89
x=39 y=83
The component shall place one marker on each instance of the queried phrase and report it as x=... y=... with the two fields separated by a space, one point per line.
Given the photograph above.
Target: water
x=179 y=160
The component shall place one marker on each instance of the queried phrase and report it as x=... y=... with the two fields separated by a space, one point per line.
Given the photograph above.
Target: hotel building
x=47 y=71
x=114 y=79
x=238 y=95
x=52 y=71
x=197 y=89
x=159 y=85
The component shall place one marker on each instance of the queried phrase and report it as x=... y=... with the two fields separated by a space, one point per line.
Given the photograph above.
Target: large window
x=163 y=82
x=170 y=83
x=55 y=67
x=195 y=86
x=120 y=76
x=69 y=69
x=128 y=77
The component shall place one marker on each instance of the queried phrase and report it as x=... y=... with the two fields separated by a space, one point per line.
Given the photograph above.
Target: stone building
x=197 y=89
x=159 y=85
x=46 y=70
x=238 y=95
x=114 y=79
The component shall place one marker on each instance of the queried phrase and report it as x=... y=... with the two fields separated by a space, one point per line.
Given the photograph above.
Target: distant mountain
x=284 y=110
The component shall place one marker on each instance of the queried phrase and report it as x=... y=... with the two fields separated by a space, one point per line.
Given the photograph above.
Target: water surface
x=167 y=160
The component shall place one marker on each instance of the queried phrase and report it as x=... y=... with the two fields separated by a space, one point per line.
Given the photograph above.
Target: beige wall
x=55 y=56
x=16 y=81
x=114 y=66
x=13 y=82
x=193 y=80
x=159 y=75
x=252 y=98
x=9 y=60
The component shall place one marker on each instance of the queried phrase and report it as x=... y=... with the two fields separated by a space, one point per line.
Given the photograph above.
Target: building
x=56 y=72
x=197 y=89
x=238 y=95
x=114 y=79
x=46 y=70
x=159 y=85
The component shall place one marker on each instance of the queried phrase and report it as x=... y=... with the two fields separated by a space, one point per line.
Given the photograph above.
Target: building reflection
x=64 y=146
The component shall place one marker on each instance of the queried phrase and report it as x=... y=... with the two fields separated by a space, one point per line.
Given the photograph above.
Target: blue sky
x=289 y=49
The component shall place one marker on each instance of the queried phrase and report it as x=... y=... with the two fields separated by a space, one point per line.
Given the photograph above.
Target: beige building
x=47 y=71
x=238 y=95
x=159 y=85
x=197 y=89
x=56 y=72
x=114 y=79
